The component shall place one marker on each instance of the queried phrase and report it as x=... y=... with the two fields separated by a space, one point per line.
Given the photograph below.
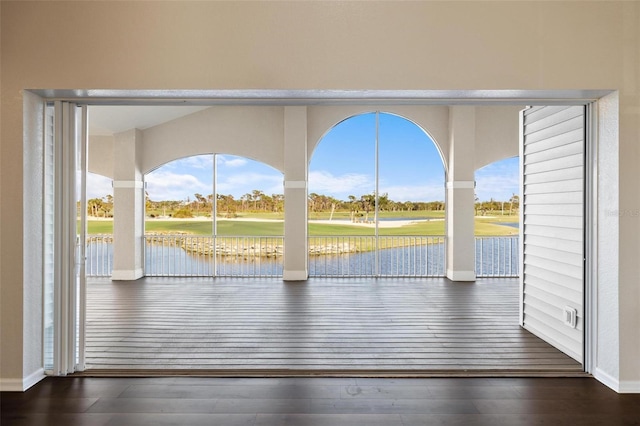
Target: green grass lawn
x=483 y=226
x=98 y=226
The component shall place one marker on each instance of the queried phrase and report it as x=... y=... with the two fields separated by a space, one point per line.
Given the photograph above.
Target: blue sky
x=343 y=164
x=410 y=167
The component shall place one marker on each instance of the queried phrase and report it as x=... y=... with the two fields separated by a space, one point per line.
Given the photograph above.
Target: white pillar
x=295 y=194
x=460 y=205
x=128 y=207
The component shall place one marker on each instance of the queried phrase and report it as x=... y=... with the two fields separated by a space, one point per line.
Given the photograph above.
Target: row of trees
x=100 y=207
x=258 y=201
x=510 y=207
x=227 y=205
x=367 y=203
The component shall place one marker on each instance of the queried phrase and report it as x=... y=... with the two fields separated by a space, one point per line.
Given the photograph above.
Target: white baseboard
x=11 y=385
x=127 y=275
x=620 y=386
x=629 y=386
x=21 y=385
x=606 y=379
x=461 y=275
x=295 y=275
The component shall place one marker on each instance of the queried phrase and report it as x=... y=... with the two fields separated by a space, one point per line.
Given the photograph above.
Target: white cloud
x=231 y=161
x=98 y=186
x=242 y=183
x=166 y=185
x=342 y=186
x=498 y=181
x=427 y=192
x=200 y=162
x=323 y=182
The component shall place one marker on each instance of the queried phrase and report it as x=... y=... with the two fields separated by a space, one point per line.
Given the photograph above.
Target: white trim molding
x=461 y=184
x=461 y=275
x=127 y=275
x=295 y=275
x=21 y=385
x=295 y=184
x=620 y=386
x=629 y=386
x=135 y=184
x=606 y=379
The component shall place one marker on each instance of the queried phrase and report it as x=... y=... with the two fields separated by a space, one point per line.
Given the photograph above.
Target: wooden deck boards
x=322 y=325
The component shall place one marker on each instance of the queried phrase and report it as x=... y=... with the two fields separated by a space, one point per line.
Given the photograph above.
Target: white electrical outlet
x=570 y=316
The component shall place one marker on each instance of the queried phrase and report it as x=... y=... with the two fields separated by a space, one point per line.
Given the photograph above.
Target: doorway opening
x=376 y=203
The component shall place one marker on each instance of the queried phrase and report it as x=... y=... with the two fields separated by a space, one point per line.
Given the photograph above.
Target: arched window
x=240 y=234
x=376 y=190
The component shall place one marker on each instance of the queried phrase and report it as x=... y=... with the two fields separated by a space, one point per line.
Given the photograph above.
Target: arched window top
x=440 y=121
x=409 y=163
x=236 y=176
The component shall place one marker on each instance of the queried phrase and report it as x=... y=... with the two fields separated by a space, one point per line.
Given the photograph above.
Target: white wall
x=101 y=155
x=326 y=45
x=248 y=131
x=32 y=244
x=257 y=132
x=609 y=325
x=496 y=134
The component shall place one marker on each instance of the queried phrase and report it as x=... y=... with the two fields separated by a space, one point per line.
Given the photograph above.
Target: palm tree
x=200 y=200
x=368 y=202
x=515 y=199
x=245 y=199
x=353 y=207
x=257 y=196
x=278 y=202
x=94 y=205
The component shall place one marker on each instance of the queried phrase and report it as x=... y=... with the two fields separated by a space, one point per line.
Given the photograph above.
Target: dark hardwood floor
x=321 y=326
x=186 y=401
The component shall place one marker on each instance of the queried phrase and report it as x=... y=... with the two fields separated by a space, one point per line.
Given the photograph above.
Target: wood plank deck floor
x=322 y=326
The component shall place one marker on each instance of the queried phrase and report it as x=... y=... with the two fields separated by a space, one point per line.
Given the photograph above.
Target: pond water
x=510 y=224
x=495 y=256
x=397 y=219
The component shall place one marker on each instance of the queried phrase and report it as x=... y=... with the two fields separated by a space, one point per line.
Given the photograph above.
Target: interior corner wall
x=628 y=215
x=23 y=357
x=607 y=324
x=629 y=201
x=322 y=45
x=33 y=254
x=12 y=246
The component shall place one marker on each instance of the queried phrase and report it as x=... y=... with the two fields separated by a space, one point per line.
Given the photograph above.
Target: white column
x=295 y=194
x=128 y=207
x=460 y=205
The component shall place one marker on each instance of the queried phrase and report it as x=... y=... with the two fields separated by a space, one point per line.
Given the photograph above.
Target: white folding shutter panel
x=553 y=144
x=48 y=236
x=61 y=218
x=82 y=165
